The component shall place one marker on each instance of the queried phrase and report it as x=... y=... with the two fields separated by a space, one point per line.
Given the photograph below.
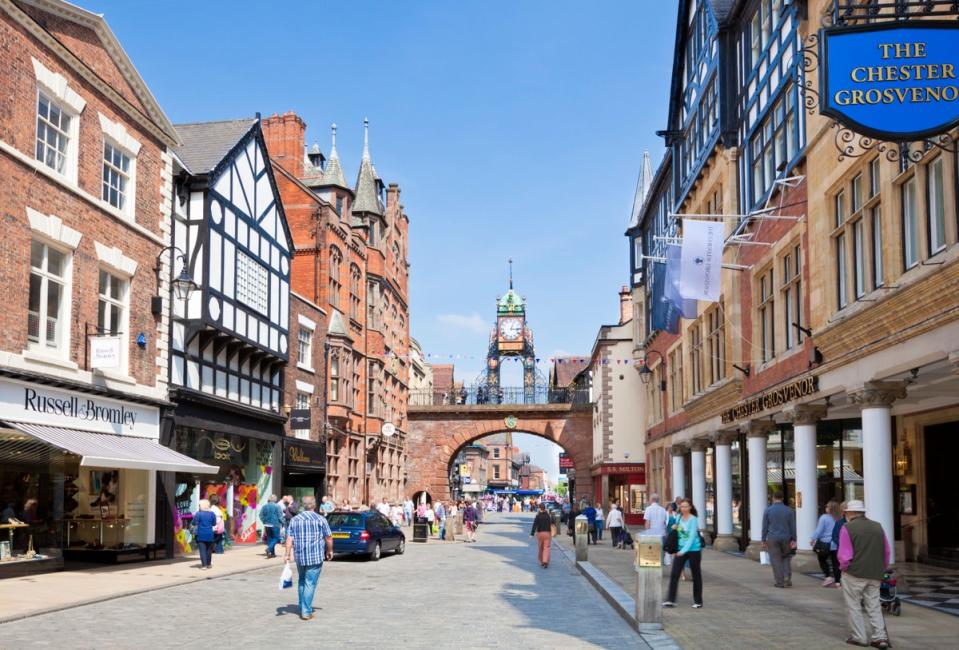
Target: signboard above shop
x=894 y=81
x=565 y=463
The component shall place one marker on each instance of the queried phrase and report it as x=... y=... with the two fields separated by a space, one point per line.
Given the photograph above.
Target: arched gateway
x=436 y=434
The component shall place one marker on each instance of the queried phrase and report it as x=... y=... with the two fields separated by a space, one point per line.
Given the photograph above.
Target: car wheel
x=401 y=547
x=375 y=553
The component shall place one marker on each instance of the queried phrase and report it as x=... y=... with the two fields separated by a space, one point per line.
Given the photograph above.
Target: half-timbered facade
x=230 y=339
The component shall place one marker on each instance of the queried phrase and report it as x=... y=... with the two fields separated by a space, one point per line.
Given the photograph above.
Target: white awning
x=112 y=451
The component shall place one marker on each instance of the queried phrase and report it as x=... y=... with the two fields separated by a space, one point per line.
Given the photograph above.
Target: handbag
x=821 y=547
x=552 y=530
x=672 y=541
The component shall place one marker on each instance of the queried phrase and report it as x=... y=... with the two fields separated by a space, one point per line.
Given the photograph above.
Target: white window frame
x=123 y=303
x=116 y=135
x=936 y=213
x=306 y=364
x=61 y=346
x=56 y=89
x=910 y=223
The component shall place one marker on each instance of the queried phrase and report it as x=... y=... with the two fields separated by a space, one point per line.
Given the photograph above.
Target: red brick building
x=86 y=199
x=351 y=259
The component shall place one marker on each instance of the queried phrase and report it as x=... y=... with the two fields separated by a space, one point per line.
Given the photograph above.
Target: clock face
x=510 y=329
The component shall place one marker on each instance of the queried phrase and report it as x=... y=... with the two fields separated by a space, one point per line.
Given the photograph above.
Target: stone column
x=756 y=432
x=804 y=418
x=725 y=541
x=679 y=470
x=875 y=398
x=698 y=466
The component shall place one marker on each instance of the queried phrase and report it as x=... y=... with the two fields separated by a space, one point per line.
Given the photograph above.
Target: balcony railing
x=480 y=395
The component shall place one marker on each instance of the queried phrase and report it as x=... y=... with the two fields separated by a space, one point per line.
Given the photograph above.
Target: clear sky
x=515 y=129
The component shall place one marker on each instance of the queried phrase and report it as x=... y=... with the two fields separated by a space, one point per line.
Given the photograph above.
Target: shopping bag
x=286 y=578
x=764 y=557
x=667 y=559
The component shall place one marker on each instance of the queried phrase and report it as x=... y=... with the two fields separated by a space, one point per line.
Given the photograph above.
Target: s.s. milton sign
x=24 y=402
x=772 y=399
x=893 y=81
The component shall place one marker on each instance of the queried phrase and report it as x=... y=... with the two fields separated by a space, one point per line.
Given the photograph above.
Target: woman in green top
x=691 y=549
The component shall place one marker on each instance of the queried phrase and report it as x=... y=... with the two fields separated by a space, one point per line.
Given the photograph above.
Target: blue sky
x=514 y=128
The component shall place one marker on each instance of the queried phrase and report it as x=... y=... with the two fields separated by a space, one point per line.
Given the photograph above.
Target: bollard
x=649 y=583
x=581 y=538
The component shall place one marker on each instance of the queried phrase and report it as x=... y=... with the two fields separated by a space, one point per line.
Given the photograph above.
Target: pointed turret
x=333 y=175
x=643 y=185
x=367 y=197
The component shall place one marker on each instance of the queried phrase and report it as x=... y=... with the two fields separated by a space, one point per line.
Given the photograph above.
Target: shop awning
x=113 y=451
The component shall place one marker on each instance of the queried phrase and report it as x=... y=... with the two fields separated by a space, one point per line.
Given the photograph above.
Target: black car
x=364 y=533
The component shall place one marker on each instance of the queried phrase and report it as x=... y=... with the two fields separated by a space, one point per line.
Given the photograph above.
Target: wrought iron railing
x=858 y=12
x=480 y=395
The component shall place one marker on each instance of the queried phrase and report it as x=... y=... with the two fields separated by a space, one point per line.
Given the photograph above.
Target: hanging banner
x=702 y=259
x=894 y=81
x=686 y=307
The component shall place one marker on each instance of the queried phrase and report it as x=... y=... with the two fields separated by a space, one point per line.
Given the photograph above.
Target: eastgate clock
x=510 y=329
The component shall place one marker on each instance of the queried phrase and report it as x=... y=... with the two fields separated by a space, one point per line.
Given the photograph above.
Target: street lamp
x=645 y=374
x=183 y=284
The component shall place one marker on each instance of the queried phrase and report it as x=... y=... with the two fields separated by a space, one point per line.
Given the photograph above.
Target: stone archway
x=436 y=433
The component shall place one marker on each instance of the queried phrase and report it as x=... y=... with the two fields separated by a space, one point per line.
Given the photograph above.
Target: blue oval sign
x=896 y=81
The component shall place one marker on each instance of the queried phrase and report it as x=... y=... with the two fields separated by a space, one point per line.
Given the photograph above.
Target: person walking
x=779 y=539
x=691 y=551
x=600 y=521
x=470 y=517
x=384 y=508
x=327 y=506
x=431 y=518
x=309 y=542
x=219 y=529
x=864 y=555
x=590 y=513
x=822 y=545
x=272 y=518
x=615 y=522
x=451 y=515
x=655 y=516
x=441 y=517
x=203 y=522
x=834 y=544
x=542 y=530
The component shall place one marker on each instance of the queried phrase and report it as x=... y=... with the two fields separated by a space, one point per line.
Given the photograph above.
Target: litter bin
x=421 y=529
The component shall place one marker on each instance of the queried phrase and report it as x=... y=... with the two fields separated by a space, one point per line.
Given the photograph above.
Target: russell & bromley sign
x=772 y=398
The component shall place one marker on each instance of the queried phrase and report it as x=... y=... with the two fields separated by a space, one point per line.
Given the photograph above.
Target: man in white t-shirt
x=384 y=508
x=655 y=516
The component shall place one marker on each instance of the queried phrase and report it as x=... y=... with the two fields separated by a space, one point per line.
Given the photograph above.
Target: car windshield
x=345 y=520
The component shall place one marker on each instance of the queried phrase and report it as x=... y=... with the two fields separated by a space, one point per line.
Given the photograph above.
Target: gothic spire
x=643 y=185
x=367 y=197
x=334 y=172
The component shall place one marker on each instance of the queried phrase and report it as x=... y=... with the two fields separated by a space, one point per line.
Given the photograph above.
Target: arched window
x=355 y=304
x=336 y=259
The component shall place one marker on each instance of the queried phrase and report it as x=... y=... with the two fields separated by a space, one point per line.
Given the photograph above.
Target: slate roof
x=337 y=326
x=643 y=185
x=367 y=198
x=565 y=370
x=205 y=144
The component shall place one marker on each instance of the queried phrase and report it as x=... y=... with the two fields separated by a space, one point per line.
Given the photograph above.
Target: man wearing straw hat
x=863 y=557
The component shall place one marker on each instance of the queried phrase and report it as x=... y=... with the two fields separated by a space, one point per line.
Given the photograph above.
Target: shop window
x=54 y=131
x=48 y=305
x=937 y=212
x=117 y=185
x=767 y=313
x=792 y=296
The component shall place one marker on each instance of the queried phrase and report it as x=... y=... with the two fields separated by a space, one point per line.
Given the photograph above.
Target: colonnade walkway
x=744 y=609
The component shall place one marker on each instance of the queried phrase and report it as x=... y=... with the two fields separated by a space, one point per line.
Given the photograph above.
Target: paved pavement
x=743 y=609
x=491 y=594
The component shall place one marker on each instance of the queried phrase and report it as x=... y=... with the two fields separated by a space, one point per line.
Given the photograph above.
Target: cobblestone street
x=491 y=594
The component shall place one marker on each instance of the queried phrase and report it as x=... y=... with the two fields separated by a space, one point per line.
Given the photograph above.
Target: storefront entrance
x=942 y=508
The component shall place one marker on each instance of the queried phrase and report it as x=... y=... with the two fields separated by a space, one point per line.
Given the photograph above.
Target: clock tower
x=511 y=338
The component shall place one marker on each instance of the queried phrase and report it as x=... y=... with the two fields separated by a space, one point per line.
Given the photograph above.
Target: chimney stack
x=625 y=305
x=285 y=137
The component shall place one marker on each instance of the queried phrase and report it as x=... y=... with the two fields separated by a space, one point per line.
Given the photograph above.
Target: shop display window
x=111 y=510
x=244 y=482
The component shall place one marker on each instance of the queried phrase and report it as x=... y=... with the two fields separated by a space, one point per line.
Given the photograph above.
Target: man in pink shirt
x=863 y=558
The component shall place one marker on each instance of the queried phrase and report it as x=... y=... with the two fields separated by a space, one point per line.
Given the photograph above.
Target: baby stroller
x=888 y=595
x=625 y=539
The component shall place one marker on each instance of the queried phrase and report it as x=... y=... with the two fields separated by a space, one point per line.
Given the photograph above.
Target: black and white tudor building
x=229 y=340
